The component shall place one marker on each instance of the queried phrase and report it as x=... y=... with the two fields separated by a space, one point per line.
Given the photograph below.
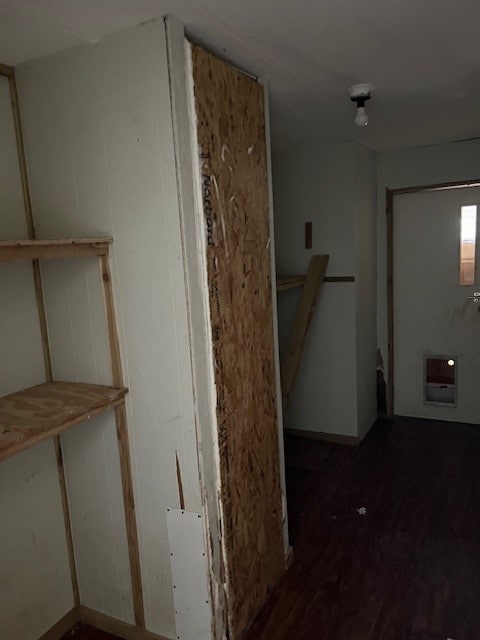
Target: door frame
x=390 y=195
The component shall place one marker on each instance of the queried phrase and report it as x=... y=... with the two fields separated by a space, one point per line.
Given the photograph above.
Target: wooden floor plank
x=407 y=570
x=85 y=632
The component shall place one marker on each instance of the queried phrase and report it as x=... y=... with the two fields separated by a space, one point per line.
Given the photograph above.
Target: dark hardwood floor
x=84 y=632
x=407 y=570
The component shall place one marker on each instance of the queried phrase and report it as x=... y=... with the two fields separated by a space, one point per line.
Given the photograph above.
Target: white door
x=436 y=326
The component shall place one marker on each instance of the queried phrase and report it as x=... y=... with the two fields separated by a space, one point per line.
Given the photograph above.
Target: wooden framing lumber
x=37 y=278
x=123 y=447
x=232 y=169
x=65 y=248
x=292 y=282
x=293 y=352
x=34 y=250
x=46 y=410
x=289 y=282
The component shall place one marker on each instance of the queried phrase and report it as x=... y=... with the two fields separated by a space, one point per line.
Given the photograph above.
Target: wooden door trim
x=390 y=196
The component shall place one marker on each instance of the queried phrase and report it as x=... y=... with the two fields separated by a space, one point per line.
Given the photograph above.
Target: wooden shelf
x=290 y=282
x=37 y=413
x=63 y=248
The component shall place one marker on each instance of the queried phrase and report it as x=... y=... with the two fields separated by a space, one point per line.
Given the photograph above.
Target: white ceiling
x=422 y=56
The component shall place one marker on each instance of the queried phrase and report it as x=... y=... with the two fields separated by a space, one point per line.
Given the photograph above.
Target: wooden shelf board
x=290 y=282
x=37 y=413
x=61 y=248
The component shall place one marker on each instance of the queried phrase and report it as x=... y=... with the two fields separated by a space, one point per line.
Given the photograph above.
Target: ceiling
x=422 y=56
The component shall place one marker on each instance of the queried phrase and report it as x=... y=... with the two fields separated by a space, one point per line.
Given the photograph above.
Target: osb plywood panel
x=231 y=137
x=31 y=415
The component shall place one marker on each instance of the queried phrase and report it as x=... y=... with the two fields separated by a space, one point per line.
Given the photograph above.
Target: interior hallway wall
x=456 y=161
x=101 y=161
x=366 y=287
x=317 y=185
x=35 y=586
x=333 y=187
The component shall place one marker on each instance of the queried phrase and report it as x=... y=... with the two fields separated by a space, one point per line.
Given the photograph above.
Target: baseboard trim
x=321 y=435
x=115 y=627
x=63 y=626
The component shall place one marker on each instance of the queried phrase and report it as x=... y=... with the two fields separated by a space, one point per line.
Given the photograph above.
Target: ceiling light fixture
x=359 y=94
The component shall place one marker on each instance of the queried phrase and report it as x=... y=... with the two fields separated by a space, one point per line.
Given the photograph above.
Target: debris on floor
x=362 y=511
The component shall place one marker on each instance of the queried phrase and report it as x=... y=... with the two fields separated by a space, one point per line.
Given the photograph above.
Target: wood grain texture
x=123 y=446
x=407 y=570
x=301 y=324
x=43 y=411
x=69 y=247
x=292 y=282
x=289 y=282
x=231 y=136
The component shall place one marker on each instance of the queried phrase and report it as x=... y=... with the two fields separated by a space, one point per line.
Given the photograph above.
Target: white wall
x=35 y=586
x=317 y=185
x=366 y=287
x=334 y=188
x=456 y=161
x=101 y=161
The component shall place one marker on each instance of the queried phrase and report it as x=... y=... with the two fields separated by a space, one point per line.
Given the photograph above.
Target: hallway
x=409 y=569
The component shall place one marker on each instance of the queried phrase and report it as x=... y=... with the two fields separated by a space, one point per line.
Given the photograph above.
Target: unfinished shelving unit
x=47 y=410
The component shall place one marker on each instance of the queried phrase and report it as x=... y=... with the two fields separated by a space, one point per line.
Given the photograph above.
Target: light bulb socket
x=360 y=100
x=359 y=94
x=361 y=118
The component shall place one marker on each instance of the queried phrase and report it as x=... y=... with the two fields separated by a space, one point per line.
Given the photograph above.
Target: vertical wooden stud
x=66 y=517
x=123 y=447
x=42 y=317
